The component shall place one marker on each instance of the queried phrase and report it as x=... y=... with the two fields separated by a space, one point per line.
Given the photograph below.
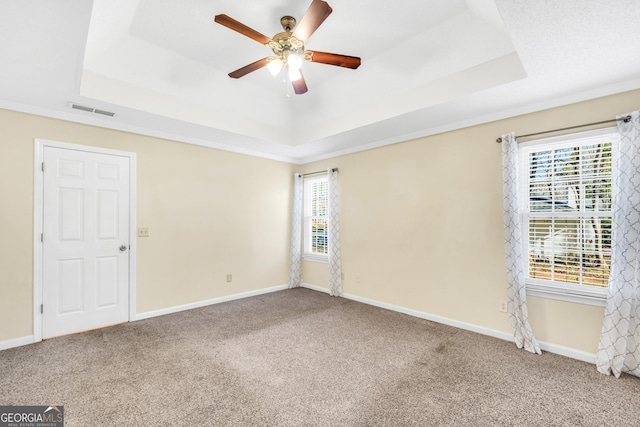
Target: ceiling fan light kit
x=288 y=46
x=274 y=65
x=294 y=73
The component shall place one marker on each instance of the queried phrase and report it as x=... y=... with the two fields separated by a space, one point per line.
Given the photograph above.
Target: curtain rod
x=624 y=119
x=319 y=172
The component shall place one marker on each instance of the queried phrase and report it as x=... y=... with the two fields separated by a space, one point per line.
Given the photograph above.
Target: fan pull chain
x=287 y=81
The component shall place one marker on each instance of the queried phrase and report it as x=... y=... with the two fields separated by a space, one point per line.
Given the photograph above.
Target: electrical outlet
x=357 y=278
x=229 y=277
x=502 y=306
x=143 y=231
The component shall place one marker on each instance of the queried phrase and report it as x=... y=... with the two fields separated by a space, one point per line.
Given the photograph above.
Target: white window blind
x=315 y=217
x=565 y=198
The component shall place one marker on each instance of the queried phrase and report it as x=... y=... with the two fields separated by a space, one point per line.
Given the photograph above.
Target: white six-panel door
x=85 y=260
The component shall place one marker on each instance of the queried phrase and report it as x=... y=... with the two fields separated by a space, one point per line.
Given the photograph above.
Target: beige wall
x=421 y=223
x=210 y=213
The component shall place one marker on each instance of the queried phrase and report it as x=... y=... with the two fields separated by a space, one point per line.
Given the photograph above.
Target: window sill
x=324 y=259
x=596 y=298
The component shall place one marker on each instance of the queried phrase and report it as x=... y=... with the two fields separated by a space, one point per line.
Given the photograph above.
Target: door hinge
x=42 y=166
x=41 y=308
x=42 y=237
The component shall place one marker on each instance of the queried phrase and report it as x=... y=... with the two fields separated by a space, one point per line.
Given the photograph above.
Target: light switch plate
x=143 y=231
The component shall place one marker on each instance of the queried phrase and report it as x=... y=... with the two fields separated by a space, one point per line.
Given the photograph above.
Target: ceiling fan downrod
x=288 y=23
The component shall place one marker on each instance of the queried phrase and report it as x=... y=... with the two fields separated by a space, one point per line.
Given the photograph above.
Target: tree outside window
x=567 y=193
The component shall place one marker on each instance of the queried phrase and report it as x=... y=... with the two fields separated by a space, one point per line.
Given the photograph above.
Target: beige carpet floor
x=303 y=358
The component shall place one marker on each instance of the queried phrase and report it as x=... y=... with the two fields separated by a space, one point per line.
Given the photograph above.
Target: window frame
x=307 y=219
x=582 y=294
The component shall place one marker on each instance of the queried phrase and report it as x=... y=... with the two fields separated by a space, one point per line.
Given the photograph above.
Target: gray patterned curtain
x=619 y=348
x=523 y=335
x=335 y=263
x=295 y=262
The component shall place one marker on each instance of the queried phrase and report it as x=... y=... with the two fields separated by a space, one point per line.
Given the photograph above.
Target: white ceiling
x=427 y=66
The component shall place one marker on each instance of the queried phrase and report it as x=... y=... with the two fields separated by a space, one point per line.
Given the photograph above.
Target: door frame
x=38 y=217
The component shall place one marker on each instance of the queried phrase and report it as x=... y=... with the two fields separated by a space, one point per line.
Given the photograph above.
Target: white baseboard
x=16 y=342
x=315 y=288
x=198 y=304
x=572 y=353
x=545 y=346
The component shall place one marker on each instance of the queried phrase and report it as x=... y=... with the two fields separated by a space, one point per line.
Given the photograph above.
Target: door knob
x=123 y=248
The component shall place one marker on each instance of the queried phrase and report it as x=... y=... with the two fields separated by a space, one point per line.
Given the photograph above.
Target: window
x=565 y=198
x=315 y=218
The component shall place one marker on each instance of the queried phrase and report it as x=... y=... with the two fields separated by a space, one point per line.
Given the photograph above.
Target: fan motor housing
x=284 y=41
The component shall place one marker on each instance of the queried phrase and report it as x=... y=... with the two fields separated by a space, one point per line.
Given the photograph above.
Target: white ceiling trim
x=295 y=158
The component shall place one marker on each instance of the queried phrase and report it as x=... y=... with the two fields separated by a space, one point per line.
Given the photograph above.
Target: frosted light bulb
x=294 y=61
x=274 y=66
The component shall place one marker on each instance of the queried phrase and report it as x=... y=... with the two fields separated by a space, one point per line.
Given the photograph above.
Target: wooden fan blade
x=314 y=16
x=299 y=86
x=240 y=72
x=333 y=59
x=241 y=28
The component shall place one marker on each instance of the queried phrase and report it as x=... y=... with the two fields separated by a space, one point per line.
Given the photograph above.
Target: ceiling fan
x=288 y=46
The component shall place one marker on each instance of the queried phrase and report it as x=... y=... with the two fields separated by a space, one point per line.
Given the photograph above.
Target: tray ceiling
x=161 y=66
